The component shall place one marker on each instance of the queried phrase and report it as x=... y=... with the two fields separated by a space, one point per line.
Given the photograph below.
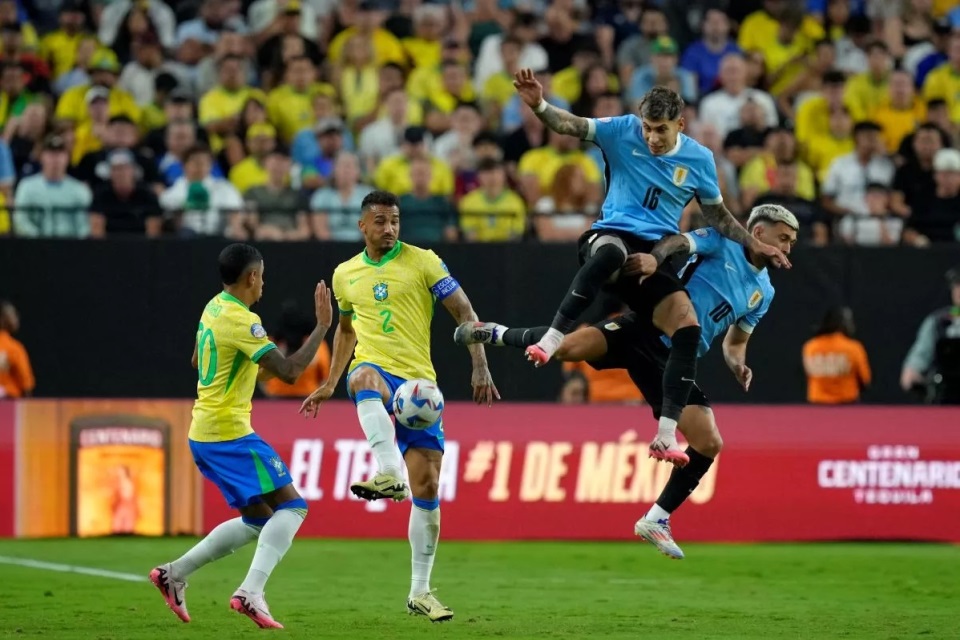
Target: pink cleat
x=171 y=590
x=663 y=449
x=255 y=608
x=537 y=355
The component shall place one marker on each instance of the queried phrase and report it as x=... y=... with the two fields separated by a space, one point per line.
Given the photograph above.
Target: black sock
x=587 y=284
x=683 y=481
x=523 y=337
x=680 y=372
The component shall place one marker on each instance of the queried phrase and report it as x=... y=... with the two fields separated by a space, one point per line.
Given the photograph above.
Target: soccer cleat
x=381 y=486
x=662 y=449
x=537 y=355
x=426 y=604
x=255 y=608
x=171 y=590
x=657 y=533
x=478 y=333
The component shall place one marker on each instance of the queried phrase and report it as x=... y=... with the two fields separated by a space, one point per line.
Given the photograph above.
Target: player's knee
x=426 y=489
x=713 y=444
x=364 y=379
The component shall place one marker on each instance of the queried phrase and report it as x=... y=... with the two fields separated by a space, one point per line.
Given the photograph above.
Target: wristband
x=540 y=108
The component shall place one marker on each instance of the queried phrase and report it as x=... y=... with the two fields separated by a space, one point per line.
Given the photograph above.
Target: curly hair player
x=731 y=286
x=231 y=345
x=653 y=172
x=386 y=295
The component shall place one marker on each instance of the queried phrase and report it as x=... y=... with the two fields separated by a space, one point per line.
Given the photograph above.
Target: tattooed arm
x=720 y=218
x=563 y=121
x=668 y=246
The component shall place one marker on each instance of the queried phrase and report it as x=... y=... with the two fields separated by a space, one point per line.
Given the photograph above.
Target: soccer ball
x=418 y=403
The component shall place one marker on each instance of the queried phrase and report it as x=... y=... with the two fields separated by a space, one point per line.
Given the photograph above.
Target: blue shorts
x=429 y=438
x=243 y=469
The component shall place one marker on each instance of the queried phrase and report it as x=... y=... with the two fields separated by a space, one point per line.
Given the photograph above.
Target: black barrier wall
x=118 y=318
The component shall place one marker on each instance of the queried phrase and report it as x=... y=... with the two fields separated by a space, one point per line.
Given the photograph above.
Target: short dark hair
x=489 y=164
x=196 y=150
x=235 y=259
x=661 y=103
x=834 y=77
x=936 y=103
x=877 y=44
x=836 y=319
x=866 y=126
x=378 y=198
x=121 y=119
x=299 y=59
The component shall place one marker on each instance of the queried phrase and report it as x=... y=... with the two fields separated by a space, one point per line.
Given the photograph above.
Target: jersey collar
x=229 y=298
x=387 y=257
x=676 y=147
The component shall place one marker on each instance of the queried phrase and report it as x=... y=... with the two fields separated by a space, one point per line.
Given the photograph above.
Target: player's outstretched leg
x=226 y=538
x=275 y=540
x=698 y=425
x=423 y=465
x=369 y=391
x=497 y=335
x=607 y=256
x=675 y=316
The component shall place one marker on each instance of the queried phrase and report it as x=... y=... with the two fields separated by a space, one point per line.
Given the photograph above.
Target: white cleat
x=426 y=604
x=657 y=533
x=470 y=333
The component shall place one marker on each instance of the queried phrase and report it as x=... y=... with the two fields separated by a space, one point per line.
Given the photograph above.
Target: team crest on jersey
x=703 y=233
x=755 y=299
x=257 y=330
x=380 y=292
x=680 y=174
x=277 y=464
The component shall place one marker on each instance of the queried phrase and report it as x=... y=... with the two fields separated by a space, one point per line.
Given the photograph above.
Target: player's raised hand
x=484 y=391
x=321 y=300
x=529 y=88
x=744 y=375
x=777 y=257
x=312 y=404
x=639 y=264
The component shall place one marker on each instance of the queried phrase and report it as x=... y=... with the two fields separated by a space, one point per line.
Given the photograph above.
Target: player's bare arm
x=484 y=391
x=644 y=264
x=720 y=218
x=289 y=368
x=531 y=92
x=344 y=342
x=735 y=355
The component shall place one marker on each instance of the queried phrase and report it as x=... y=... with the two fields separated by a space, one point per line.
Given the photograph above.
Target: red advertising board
x=8 y=467
x=525 y=471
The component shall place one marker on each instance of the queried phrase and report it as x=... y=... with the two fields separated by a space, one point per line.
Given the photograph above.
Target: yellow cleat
x=379 y=487
x=426 y=604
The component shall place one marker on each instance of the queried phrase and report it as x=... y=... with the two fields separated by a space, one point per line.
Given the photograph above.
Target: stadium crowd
x=270 y=120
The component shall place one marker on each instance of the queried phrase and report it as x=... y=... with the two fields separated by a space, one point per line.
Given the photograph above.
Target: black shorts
x=634 y=344
x=640 y=297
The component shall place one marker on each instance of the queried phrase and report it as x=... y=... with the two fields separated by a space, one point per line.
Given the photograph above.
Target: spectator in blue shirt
x=663 y=71
x=703 y=56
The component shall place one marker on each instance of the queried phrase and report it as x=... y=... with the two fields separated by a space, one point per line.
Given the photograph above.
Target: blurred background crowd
x=271 y=119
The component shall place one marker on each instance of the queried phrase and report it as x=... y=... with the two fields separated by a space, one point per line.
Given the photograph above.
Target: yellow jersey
x=60 y=49
x=230 y=343
x=291 y=111
x=944 y=83
x=545 y=162
x=493 y=220
x=386 y=47
x=863 y=95
x=392 y=306
x=73 y=105
x=219 y=103
x=393 y=175
x=247 y=174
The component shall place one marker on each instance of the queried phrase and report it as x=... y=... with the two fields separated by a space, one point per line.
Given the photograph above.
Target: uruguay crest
x=380 y=292
x=680 y=174
x=755 y=299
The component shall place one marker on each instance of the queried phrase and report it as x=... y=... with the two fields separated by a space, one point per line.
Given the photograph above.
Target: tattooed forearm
x=720 y=218
x=563 y=121
x=669 y=246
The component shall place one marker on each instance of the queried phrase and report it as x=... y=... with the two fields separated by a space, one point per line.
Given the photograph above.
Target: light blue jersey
x=724 y=286
x=646 y=194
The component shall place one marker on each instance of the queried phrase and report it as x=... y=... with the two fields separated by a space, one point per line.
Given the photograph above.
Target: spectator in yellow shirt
x=251 y=172
x=903 y=113
x=944 y=81
x=492 y=212
x=758 y=175
x=393 y=173
x=538 y=167
x=59 y=47
x=429 y=25
x=498 y=88
x=759 y=30
x=104 y=71
x=813 y=114
x=386 y=47
x=290 y=106
x=824 y=148
x=357 y=79
x=455 y=87
x=866 y=92
x=220 y=108
x=90 y=133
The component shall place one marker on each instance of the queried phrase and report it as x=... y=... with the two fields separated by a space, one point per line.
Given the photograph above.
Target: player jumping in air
x=653 y=172
x=231 y=343
x=386 y=296
x=730 y=287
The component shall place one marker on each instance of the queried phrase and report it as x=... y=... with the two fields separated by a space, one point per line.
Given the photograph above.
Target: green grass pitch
x=357 y=589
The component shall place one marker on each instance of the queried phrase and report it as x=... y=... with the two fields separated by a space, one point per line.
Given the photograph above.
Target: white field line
x=69 y=568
